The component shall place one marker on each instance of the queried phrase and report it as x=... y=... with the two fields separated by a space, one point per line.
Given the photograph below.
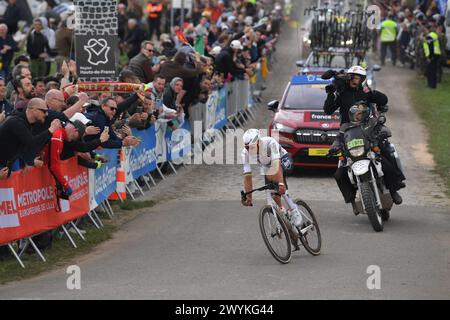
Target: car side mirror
x=376 y=67
x=300 y=63
x=273 y=105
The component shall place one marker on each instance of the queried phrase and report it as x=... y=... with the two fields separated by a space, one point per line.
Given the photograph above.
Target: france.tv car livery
x=304 y=130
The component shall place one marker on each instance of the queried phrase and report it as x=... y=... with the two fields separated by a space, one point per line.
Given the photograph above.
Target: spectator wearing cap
x=84 y=150
x=141 y=64
x=7 y=48
x=215 y=51
x=71 y=132
x=225 y=62
x=16 y=135
x=38 y=48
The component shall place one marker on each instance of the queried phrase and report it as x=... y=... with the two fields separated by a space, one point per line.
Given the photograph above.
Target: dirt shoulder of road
x=411 y=135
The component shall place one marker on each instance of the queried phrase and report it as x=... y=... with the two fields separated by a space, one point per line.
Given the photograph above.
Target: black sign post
x=96 y=40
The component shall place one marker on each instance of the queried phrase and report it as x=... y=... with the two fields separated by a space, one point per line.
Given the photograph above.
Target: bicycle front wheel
x=311 y=239
x=275 y=234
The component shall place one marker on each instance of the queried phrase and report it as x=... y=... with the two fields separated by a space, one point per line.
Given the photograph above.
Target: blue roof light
x=309 y=79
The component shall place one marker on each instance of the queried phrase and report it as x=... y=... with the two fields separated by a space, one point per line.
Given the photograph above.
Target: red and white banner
x=28 y=203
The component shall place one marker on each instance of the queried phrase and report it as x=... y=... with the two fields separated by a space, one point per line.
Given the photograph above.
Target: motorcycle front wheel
x=374 y=214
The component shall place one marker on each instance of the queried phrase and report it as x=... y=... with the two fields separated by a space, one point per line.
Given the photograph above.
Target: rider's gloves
x=331 y=88
x=332 y=152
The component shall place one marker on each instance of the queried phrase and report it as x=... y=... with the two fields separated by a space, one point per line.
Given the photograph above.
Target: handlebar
x=269 y=186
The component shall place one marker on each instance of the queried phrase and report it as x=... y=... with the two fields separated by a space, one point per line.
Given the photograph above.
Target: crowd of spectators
x=43 y=117
x=415 y=20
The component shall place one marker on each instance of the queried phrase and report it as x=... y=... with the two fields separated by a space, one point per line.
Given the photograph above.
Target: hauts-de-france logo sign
x=97 y=51
x=96 y=39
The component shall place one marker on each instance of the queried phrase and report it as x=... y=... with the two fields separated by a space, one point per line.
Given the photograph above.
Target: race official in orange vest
x=154 y=10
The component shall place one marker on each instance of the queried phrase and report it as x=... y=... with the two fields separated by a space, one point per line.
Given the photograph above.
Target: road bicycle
x=278 y=233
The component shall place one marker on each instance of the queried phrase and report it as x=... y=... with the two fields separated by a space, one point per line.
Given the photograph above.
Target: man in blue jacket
x=103 y=117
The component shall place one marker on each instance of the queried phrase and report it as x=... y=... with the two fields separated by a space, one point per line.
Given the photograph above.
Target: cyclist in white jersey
x=273 y=160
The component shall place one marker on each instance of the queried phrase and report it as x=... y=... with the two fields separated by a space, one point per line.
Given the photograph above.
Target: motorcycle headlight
x=357 y=152
x=282 y=128
x=369 y=82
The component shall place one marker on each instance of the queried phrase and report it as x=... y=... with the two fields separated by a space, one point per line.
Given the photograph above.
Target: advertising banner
x=28 y=203
x=102 y=181
x=141 y=159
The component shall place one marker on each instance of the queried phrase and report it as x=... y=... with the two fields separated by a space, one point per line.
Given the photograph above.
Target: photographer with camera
x=347 y=89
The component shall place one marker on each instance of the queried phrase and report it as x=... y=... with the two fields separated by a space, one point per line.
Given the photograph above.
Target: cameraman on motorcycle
x=346 y=90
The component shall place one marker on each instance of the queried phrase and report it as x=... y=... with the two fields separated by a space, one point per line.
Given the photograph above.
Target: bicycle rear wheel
x=311 y=240
x=275 y=234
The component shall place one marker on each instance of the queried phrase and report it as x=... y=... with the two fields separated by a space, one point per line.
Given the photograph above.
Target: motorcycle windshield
x=354 y=137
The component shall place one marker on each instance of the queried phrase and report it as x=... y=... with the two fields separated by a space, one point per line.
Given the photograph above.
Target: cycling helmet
x=360 y=71
x=359 y=112
x=251 y=136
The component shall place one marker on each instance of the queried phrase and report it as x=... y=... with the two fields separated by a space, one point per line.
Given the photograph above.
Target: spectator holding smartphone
x=104 y=117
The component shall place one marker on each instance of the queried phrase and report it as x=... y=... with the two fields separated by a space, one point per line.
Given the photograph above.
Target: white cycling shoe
x=296 y=218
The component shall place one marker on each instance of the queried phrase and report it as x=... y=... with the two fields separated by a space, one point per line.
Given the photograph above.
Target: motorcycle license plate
x=355 y=143
x=317 y=152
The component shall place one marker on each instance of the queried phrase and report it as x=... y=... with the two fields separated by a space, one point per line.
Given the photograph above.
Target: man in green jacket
x=388 y=37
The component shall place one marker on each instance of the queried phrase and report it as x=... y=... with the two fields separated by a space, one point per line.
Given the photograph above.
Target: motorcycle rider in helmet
x=343 y=94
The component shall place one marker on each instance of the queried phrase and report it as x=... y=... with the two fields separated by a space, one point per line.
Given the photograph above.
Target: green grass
x=135 y=205
x=433 y=106
x=62 y=254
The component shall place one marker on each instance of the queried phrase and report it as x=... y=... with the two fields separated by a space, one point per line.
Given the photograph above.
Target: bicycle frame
x=287 y=200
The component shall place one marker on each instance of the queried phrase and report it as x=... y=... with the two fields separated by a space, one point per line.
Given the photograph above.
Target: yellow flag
x=264 y=68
